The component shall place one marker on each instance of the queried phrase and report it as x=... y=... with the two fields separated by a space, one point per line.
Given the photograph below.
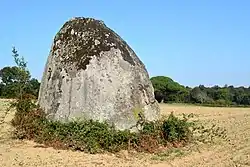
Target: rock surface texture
x=92 y=73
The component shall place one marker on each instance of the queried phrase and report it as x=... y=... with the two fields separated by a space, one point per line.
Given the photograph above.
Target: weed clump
x=90 y=136
x=176 y=129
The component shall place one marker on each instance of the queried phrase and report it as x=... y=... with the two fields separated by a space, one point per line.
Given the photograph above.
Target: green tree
x=33 y=87
x=10 y=90
x=1 y=89
x=170 y=90
x=9 y=75
x=224 y=94
x=23 y=73
x=199 y=96
x=9 y=80
x=246 y=100
x=238 y=95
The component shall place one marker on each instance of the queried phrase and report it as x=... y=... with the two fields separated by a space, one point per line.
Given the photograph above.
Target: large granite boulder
x=91 y=73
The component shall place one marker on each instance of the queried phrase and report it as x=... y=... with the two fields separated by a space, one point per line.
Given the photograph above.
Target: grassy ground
x=233 y=152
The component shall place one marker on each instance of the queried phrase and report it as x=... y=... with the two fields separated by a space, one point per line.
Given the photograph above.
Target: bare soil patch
x=233 y=152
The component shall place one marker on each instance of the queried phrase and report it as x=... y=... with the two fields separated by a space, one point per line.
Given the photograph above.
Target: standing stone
x=92 y=73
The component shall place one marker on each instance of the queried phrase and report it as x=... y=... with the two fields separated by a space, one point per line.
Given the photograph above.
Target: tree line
x=15 y=81
x=169 y=91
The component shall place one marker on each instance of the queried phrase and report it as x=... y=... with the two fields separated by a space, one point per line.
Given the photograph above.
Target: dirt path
x=235 y=152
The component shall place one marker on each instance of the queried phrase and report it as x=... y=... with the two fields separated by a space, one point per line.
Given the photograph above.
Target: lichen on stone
x=88 y=37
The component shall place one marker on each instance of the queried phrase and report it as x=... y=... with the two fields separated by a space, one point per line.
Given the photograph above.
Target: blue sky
x=194 y=42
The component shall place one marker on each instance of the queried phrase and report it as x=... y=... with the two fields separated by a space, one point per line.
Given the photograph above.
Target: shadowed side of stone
x=91 y=73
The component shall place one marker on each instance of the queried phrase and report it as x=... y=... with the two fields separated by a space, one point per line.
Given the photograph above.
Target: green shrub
x=151 y=128
x=89 y=136
x=27 y=120
x=92 y=136
x=176 y=129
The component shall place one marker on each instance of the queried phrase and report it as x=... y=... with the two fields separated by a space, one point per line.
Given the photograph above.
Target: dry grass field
x=235 y=151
